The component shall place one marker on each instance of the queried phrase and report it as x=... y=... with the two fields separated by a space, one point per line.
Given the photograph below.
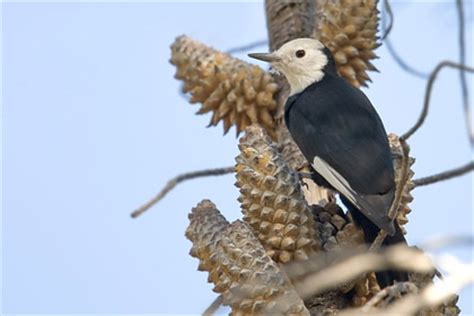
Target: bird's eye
x=300 y=53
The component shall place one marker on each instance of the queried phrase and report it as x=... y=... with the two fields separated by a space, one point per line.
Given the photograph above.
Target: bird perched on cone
x=341 y=135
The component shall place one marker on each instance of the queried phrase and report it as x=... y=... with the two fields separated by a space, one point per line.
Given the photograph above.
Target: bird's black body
x=336 y=122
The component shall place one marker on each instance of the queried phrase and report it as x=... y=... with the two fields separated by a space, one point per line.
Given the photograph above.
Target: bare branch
x=389 y=293
x=400 y=188
x=398 y=59
x=378 y=241
x=180 y=178
x=387 y=9
x=247 y=47
x=396 y=257
x=462 y=73
x=212 y=309
x=446 y=175
x=428 y=91
x=459 y=275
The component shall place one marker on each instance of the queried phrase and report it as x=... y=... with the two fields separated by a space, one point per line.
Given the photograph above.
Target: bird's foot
x=304 y=175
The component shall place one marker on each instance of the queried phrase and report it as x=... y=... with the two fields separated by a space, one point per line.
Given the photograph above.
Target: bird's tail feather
x=384 y=278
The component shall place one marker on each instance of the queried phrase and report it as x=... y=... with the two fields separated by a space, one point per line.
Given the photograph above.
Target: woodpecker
x=341 y=135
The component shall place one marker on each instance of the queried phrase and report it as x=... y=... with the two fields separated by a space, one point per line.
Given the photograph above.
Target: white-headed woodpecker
x=341 y=135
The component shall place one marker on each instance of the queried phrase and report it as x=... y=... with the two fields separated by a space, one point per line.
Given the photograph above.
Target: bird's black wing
x=336 y=123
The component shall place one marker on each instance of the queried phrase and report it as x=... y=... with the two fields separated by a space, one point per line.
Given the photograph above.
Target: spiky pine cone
x=250 y=282
x=236 y=92
x=336 y=229
x=206 y=225
x=272 y=200
x=406 y=197
x=349 y=29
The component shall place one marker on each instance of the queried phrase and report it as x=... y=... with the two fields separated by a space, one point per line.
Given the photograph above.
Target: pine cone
x=348 y=28
x=248 y=279
x=336 y=229
x=206 y=225
x=236 y=92
x=272 y=200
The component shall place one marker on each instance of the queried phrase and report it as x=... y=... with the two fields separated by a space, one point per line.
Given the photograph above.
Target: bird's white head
x=301 y=61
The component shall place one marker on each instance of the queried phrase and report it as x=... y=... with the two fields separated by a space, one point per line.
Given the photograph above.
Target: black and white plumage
x=340 y=134
x=343 y=138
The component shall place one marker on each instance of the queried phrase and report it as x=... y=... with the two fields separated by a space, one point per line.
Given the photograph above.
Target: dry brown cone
x=272 y=200
x=349 y=29
x=336 y=229
x=204 y=230
x=406 y=197
x=236 y=92
x=248 y=279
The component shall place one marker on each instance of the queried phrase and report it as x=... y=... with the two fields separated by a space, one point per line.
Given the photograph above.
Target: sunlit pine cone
x=259 y=285
x=248 y=279
x=349 y=29
x=204 y=230
x=272 y=200
x=236 y=92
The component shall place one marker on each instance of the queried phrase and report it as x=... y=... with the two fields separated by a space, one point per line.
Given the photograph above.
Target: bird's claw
x=302 y=176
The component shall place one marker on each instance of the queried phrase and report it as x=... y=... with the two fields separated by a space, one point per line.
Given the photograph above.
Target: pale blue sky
x=93 y=126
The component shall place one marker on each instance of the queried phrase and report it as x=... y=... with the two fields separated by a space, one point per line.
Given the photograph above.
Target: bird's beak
x=269 y=57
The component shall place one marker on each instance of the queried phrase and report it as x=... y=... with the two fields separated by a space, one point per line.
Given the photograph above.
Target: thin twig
x=398 y=59
x=459 y=276
x=390 y=292
x=462 y=73
x=428 y=91
x=378 y=241
x=180 y=178
x=212 y=309
x=392 y=212
x=398 y=257
x=388 y=9
x=404 y=177
x=247 y=47
x=444 y=175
